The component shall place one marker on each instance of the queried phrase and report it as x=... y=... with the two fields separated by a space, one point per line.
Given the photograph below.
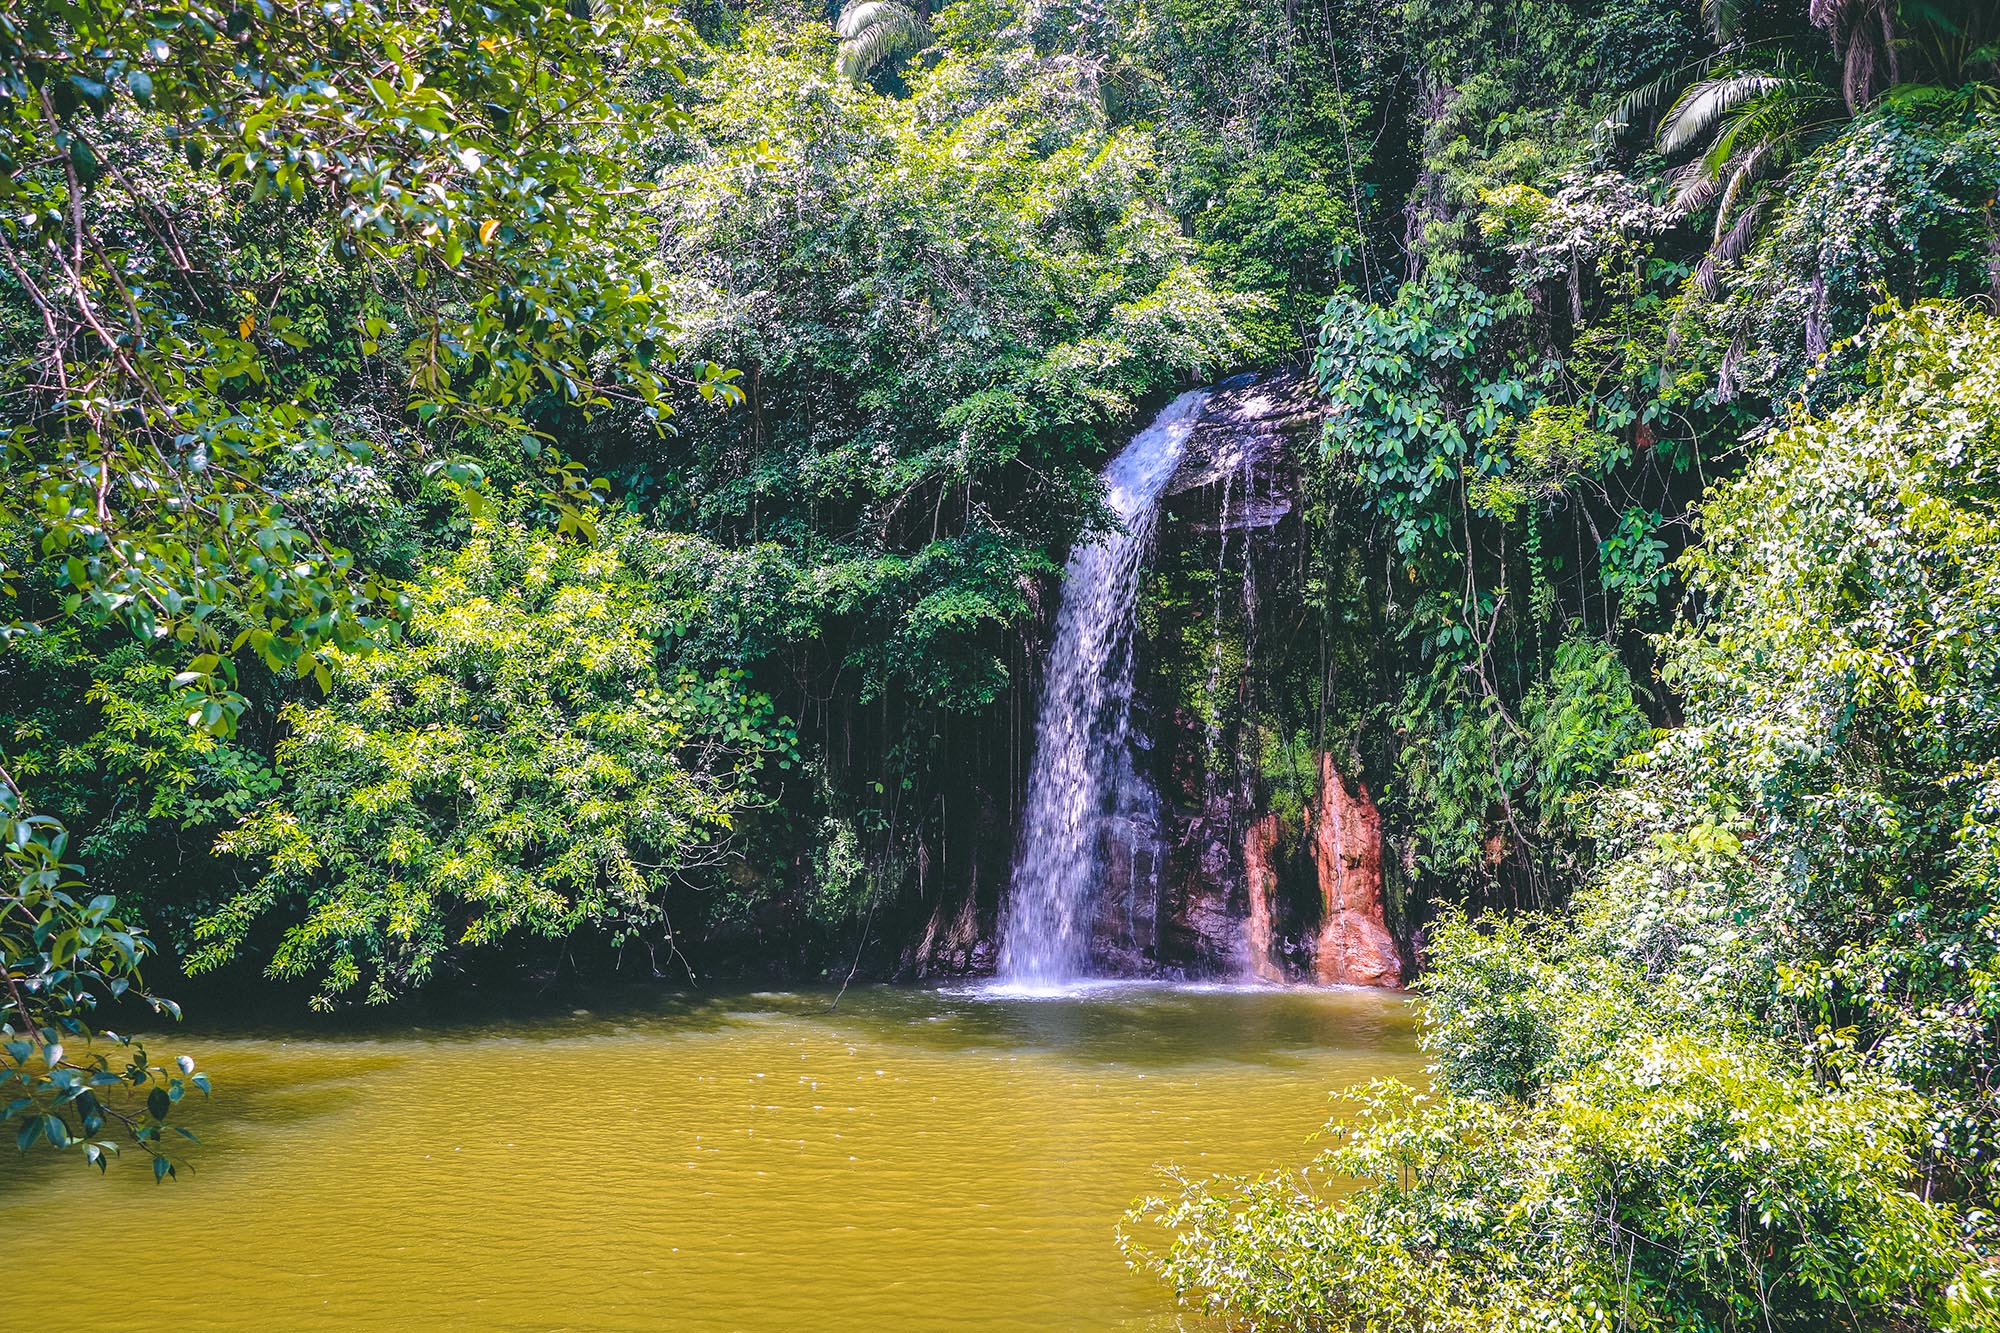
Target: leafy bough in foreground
x=454 y=178
x=62 y=1083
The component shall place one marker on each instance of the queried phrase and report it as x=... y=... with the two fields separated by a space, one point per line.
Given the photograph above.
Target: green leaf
x=84 y=160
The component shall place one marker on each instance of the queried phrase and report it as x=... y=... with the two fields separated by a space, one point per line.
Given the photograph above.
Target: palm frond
x=1692 y=186
x=1742 y=175
x=1725 y=17
x=1735 y=243
x=1760 y=136
x=1644 y=102
x=1702 y=107
x=873 y=31
x=1706 y=280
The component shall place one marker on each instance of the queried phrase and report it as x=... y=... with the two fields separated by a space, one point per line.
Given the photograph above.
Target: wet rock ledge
x=1219 y=880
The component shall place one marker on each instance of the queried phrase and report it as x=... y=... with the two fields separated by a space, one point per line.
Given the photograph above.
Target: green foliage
x=1497 y=1005
x=1735 y=1087
x=1578 y=722
x=1841 y=721
x=840 y=872
x=104 y=743
x=66 y=1085
x=530 y=760
x=1465 y=764
x=1288 y=769
x=462 y=162
x=229 y=235
x=421 y=165
x=1757 y=108
x=1546 y=452
x=1632 y=561
x=1573 y=48
x=1448 y=779
x=1414 y=402
x=1678 y=1183
x=1896 y=205
x=938 y=302
x=1264 y=116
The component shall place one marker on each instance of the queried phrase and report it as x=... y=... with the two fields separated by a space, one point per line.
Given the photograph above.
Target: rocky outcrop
x=1244 y=452
x=1200 y=876
x=1228 y=522
x=1260 y=874
x=1241 y=892
x=1354 y=946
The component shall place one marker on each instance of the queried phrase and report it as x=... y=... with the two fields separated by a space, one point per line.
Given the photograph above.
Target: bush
x=529 y=760
x=1678 y=1183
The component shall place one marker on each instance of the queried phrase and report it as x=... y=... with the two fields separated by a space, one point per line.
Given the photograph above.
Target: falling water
x=1083 y=733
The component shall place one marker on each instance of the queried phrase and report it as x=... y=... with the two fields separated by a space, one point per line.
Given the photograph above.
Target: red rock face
x=1258 y=841
x=1355 y=947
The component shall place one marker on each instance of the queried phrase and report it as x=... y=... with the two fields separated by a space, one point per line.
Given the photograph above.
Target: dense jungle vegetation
x=497 y=488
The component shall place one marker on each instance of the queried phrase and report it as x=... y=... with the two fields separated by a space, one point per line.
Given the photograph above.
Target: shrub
x=530 y=760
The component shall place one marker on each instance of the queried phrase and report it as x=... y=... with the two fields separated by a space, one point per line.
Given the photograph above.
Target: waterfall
x=1082 y=735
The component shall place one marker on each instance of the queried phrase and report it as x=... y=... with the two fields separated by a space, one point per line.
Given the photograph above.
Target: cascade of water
x=1083 y=732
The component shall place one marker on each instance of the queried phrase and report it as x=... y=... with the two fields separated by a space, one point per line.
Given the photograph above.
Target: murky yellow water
x=914 y=1161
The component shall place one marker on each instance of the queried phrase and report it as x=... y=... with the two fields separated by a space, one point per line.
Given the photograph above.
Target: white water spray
x=1083 y=732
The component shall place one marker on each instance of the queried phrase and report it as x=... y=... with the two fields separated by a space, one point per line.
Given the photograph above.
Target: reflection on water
x=914 y=1160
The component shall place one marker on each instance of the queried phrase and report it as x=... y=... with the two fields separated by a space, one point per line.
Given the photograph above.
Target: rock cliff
x=1256 y=859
